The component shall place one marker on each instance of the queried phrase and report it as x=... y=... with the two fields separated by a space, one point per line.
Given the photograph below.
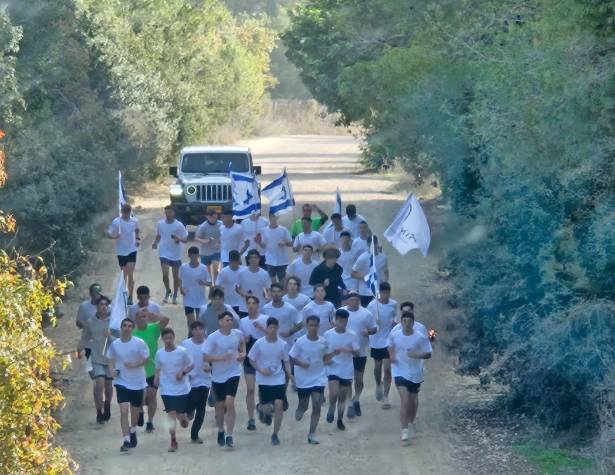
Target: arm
x=242 y=350
x=419 y=355
x=140 y=362
x=323 y=215
x=157 y=377
x=296 y=244
x=245 y=246
x=156 y=241
x=392 y=355
x=287 y=368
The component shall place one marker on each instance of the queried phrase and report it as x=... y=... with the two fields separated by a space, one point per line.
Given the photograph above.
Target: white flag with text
x=410 y=229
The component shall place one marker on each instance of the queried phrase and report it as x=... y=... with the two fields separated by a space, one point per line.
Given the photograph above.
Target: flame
x=431 y=334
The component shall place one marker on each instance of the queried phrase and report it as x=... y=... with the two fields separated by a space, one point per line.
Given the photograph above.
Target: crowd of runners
x=304 y=325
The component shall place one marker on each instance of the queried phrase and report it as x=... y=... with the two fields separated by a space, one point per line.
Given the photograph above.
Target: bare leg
x=213 y=271
x=230 y=416
x=98 y=388
x=250 y=385
x=378 y=372
x=386 y=380
x=334 y=390
x=134 y=416
x=165 y=276
x=108 y=391
x=403 y=406
x=175 y=271
x=172 y=417
x=219 y=414
x=345 y=392
x=413 y=407
x=124 y=409
x=358 y=385
x=150 y=397
x=278 y=414
x=191 y=317
x=129 y=271
x=316 y=405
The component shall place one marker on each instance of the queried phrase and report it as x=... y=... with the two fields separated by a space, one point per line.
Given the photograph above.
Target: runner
x=302 y=268
x=200 y=379
x=321 y=308
x=252 y=229
x=407 y=349
x=87 y=309
x=275 y=241
x=292 y=296
x=342 y=345
x=170 y=234
x=193 y=278
x=332 y=233
x=253 y=281
x=306 y=212
x=97 y=337
x=208 y=235
x=384 y=309
x=360 y=242
x=232 y=237
x=307 y=355
x=308 y=236
x=253 y=328
x=143 y=302
x=148 y=328
x=361 y=268
x=125 y=230
x=127 y=356
x=228 y=279
x=329 y=273
x=269 y=356
x=225 y=349
x=208 y=314
x=418 y=326
x=347 y=259
x=287 y=316
x=173 y=364
x=352 y=220
x=362 y=323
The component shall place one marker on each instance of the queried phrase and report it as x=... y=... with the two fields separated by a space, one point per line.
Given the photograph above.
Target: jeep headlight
x=176 y=190
x=191 y=190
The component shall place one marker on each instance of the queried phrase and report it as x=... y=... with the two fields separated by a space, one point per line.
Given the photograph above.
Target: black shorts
x=366 y=299
x=247 y=367
x=190 y=310
x=269 y=394
x=359 y=363
x=133 y=396
x=342 y=381
x=413 y=388
x=178 y=404
x=278 y=272
x=227 y=388
x=150 y=382
x=379 y=353
x=197 y=397
x=123 y=260
x=306 y=392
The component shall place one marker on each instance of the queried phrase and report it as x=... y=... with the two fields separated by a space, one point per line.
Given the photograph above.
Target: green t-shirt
x=150 y=335
x=298 y=227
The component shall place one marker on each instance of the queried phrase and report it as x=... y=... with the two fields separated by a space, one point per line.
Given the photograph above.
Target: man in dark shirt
x=329 y=274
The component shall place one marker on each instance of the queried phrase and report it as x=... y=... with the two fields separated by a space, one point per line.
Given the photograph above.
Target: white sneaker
x=385 y=403
x=404 y=435
x=379 y=393
x=411 y=431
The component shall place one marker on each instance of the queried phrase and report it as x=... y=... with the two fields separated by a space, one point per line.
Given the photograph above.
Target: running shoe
x=141 y=421
x=125 y=446
x=379 y=393
x=404 y=436
x=299 y=414
x=221 y=438
x=385 y=403
x=268 y=419
x=340 y=425
x=100 y=418
x=411 y=431
x=166 y=297
x=174 y=301
x=198 y=440
x=261 y=414
x=229 y=442
x=350 y=413
x=149 y=427
x=133 y=439
x=275 y=440
x=174 y=446
x=251 y=424
x=357 y=408
x=330 y=416
x=313 y=440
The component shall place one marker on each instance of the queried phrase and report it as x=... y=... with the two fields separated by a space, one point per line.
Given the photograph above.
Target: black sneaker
x=357 y=408
x=141 y=421
x=330 y=416
x=99 y=418
x=229 y=442
x=107 y=412
x=275 y=440
x=268 y=419
x=125 y=446
x=350 y=411
x=221 y=438
x=149 y=427
x=261 y=414
x=251 y=424
x=340 y=425
x=133 y=439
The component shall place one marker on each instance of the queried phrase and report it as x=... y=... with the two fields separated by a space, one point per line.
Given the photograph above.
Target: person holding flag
x=317 y=222
x=125 y=231
x=362 y=269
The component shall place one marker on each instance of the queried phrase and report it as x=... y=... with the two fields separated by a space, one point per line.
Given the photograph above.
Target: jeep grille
x=213 y=193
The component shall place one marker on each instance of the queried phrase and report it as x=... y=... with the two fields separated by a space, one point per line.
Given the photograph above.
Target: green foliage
x=553 y=461
x=511 y=104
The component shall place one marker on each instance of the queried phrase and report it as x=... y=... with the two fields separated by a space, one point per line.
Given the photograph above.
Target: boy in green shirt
x=306 y=212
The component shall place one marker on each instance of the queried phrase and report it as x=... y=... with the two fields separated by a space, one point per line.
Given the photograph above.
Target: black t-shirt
x=334 y=290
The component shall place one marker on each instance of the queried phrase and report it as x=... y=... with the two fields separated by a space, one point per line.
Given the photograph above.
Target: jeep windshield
x=206 y=163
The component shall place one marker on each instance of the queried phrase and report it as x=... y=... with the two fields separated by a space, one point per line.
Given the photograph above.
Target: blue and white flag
x=371 y=279
x=410 y=229
x=337 y=208
x=280 y=195
x=246 y=199
x=121 y=198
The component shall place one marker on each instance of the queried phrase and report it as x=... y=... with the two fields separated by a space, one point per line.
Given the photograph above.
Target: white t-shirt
x=353 y=225
x=218 y=344
x=287 y=316
x=324 y=311
x=207 y=231
x=247 y=327
x=300 y=301
x=127 y=229
x=253 y=283
x=197 y=377
x=168 y=248
x=418 y=326
x=130 y=351
x=135 y=307
x=231 y=239
x=362 y=266
x=341 y=365
x=194 y=293
x=298 y=268
x=228 y=279
x=382 y=264
x=275 y=255
x=170 y=363
x=404 y=366
x=347 y=260
x=311 y=352
x=332 y=235
x=358 y=321
x=314 y=239
x=385 y=315
x=270 y=355
x=360 y=246
x=251 y=229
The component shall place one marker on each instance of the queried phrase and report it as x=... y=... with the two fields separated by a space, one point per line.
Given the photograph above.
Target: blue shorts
x=208 y=260
x=171 y=262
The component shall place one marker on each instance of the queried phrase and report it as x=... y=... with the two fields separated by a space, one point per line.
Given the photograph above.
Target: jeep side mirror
x=173 y=171
x=257 y=169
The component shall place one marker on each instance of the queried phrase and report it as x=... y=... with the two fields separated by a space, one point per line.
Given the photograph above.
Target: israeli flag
x=280 y=195
x=246 y=198
x=410 y=229
x=371 y=279
x=337 y=208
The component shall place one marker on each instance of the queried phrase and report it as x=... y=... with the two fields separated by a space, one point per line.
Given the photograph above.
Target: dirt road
x=316 y=164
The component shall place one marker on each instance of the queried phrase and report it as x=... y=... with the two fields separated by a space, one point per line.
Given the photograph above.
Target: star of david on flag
x=280 y=195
